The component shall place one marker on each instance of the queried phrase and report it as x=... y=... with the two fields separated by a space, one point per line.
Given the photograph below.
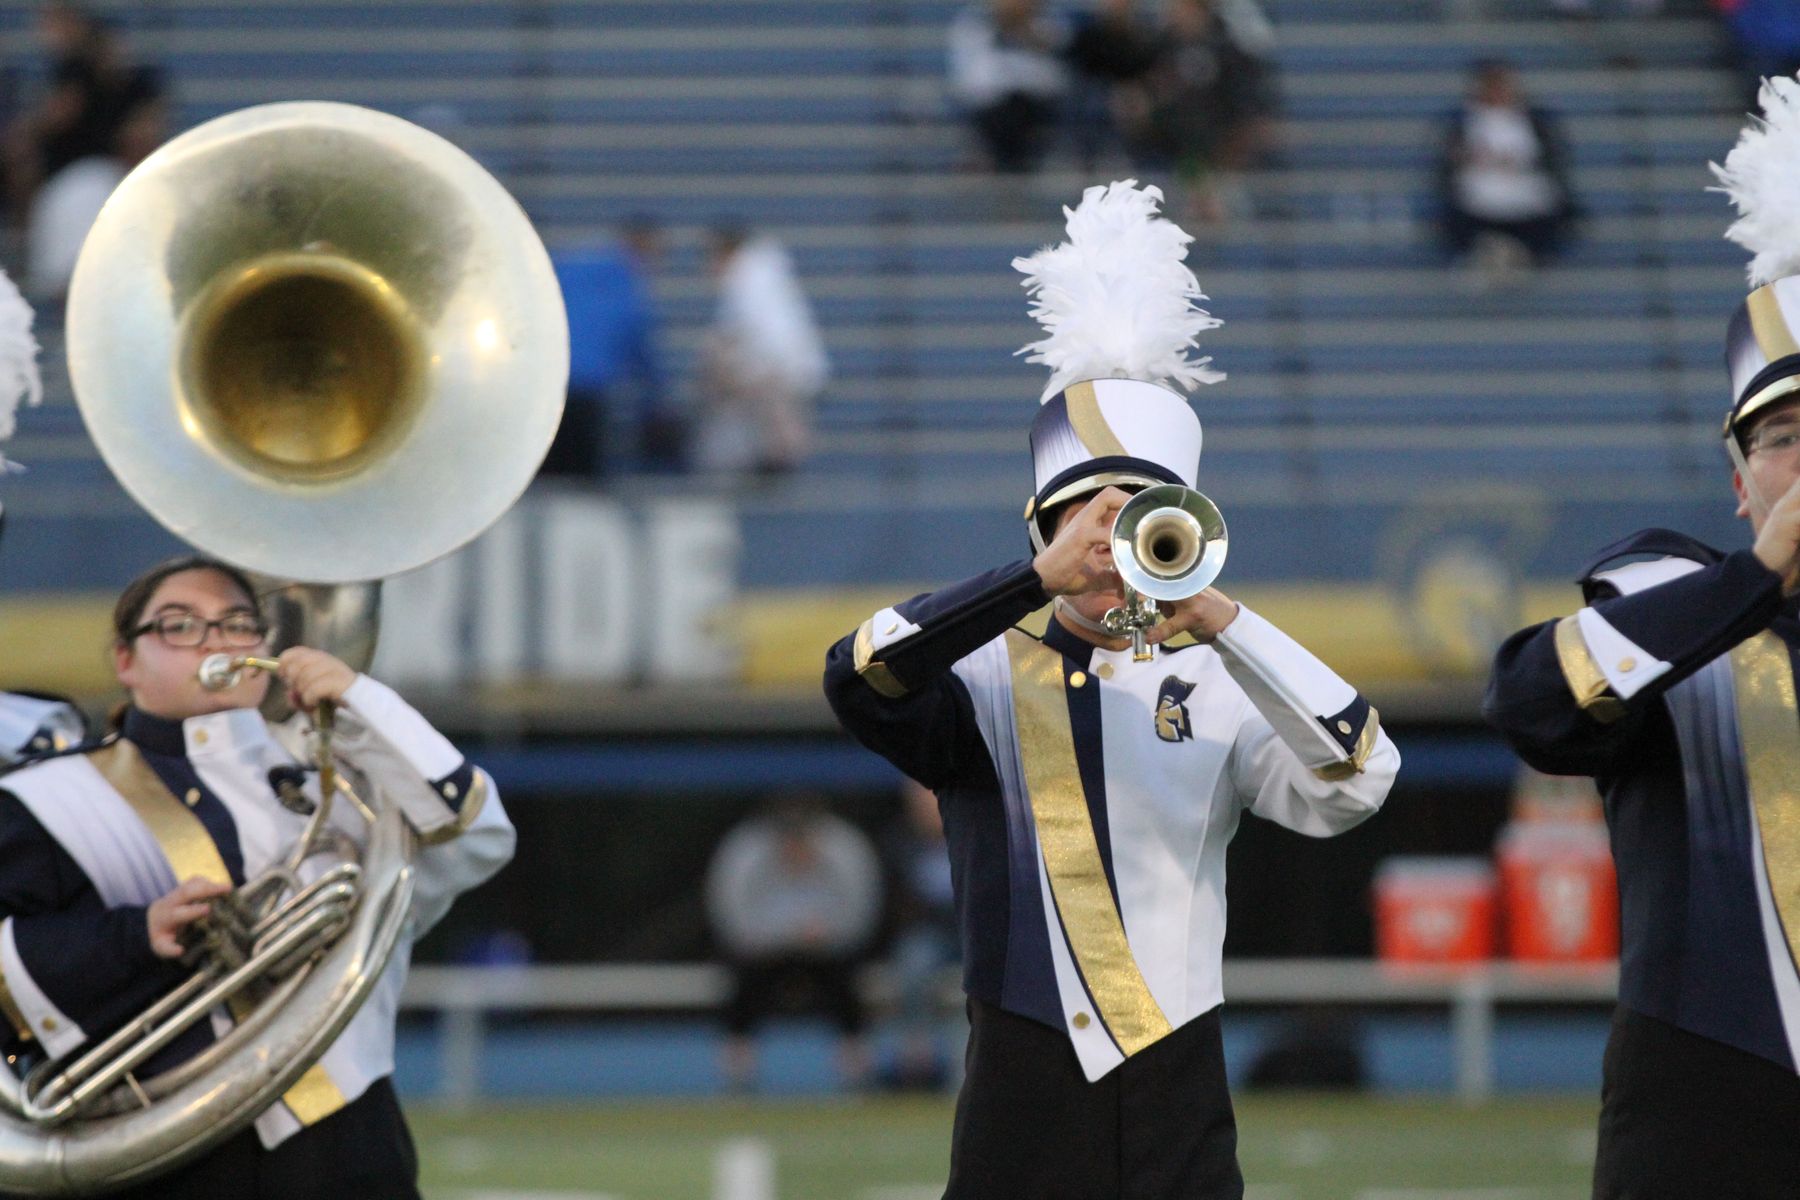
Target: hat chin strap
x=1067 y=610
x=1759 y=507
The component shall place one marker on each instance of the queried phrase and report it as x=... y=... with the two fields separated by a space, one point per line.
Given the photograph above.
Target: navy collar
x=155 y=735
x=1061 y=638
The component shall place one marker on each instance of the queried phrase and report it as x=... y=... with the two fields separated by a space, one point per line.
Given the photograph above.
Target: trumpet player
x=1088 y=797
x=111 y=854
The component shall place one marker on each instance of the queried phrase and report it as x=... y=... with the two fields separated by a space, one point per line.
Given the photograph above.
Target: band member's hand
x=1079 y=559
x=1778 y=545
x=1203 y=616
x=313 y=675
x=169 y=915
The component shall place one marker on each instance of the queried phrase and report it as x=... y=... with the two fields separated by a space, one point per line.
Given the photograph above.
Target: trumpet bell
x=1169 y=542
x=317 y=341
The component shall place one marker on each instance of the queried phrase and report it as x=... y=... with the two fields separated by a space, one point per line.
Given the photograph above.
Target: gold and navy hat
x=1103 y=433
x=1762 y=351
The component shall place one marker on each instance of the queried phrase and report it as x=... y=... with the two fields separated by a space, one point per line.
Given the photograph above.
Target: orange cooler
x=1436 y=910
x=1559 y=892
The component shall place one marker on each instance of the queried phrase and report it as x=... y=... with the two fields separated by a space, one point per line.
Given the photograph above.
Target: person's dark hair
x=128 y=613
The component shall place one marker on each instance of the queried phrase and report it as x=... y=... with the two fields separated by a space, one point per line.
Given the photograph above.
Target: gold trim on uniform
x=1089 y=422
x=465 y=816
x=184 y=840
x=15 y=1016
x=874 y=672
x=314 y=1096
x=1583 y=675
x=192 y=852
x=1359 y=754
x=1071 y=852
x=1769 y=729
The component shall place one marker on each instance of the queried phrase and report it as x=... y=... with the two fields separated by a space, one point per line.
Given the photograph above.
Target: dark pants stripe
x=1683 y=1117
x=1029 y=1124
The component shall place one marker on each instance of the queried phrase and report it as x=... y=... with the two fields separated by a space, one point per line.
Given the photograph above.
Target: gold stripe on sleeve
x=1589 y=687
x=1762 y=675
x=1359 y=754
x=1089 y=422
x=874 y=672
x=1071 y=852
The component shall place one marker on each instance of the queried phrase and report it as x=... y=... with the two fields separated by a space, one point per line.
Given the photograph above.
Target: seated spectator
x=1005 y=73
x=1204 y=107
x=1504 y=179
x=67 y=205
x=762 y=362
x=1111 y=48
x=794 y=897
x=94 y=92
x=616 y=376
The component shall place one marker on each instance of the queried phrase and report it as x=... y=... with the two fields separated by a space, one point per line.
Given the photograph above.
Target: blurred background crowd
x=1474 y=295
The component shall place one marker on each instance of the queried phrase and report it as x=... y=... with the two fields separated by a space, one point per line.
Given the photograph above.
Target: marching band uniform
x=88 y=839
x=1088 y=800
x=32 y=726
x=1675 y=689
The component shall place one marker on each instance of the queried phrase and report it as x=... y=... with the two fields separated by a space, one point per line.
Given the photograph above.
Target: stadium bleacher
x=1367 y=379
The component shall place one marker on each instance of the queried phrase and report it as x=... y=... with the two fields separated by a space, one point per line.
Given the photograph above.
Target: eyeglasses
x=183 y=629
x=1776 y=439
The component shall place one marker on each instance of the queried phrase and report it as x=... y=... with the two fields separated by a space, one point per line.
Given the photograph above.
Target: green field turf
x=1292 y=1148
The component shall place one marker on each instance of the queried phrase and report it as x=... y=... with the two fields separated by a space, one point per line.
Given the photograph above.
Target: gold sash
x=1769 y=728
x=192 y=853
x=1071 y=852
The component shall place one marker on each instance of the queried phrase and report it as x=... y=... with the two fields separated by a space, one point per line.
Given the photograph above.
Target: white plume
x=1761 y=175
x=19 y=380
x=1117 y=299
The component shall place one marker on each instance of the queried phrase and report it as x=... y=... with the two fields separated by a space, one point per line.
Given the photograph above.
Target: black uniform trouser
x=361 y=1152
x=1684 y=1117
x=1029 y=1124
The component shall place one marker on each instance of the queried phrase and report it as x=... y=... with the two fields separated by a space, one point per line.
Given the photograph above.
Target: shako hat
x=1761 y=176
x=1117 y=303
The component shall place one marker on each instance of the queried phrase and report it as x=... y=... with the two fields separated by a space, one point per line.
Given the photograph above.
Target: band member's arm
x=33 y=725
x=70 y=968
x=1571 y=694
x=891 y=683
x=1312 y=756
x=451 y=803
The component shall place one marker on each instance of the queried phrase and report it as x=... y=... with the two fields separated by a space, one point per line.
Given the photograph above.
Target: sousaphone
x=325 y=345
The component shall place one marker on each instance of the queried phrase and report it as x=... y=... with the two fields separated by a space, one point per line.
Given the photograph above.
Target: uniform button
x=1628 y=664
x=1104 y=670
x=1078 y=679
x=1080 y=1021
x=1343 y=727
x=199 y=737
x=894 y=628
x=450 y=790
x=49 y=1024
x=192 y=797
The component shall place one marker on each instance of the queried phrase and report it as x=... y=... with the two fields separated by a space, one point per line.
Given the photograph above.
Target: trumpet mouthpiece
x=219 y=671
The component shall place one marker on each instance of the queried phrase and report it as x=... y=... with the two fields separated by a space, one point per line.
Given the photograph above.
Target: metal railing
x=465 y=996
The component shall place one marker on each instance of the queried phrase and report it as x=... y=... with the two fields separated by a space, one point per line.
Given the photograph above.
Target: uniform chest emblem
x=1172 y=724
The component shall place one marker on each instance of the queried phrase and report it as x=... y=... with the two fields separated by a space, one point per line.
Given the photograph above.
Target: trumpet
x=1169 y=543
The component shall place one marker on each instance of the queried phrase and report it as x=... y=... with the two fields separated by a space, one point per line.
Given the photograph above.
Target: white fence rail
x=464 y=996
